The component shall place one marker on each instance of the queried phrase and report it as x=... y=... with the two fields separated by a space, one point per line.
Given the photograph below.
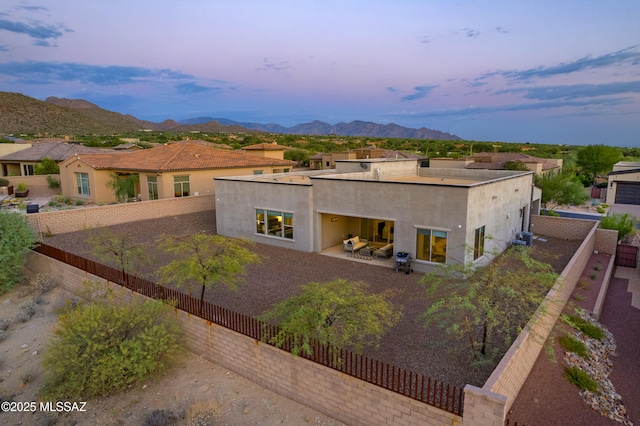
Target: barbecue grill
x=403 y=262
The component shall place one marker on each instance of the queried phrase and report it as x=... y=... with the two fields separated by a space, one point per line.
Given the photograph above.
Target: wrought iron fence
x=413 y=385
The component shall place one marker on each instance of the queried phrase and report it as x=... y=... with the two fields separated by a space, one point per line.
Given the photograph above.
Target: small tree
x=119 y=249
x=123 y=186
x=16 y=239
x=338 y=314
x=560 y=188
x=489 y=305
x=205 y=260
x=597 y=159
x=624 y=223
x=46 y=167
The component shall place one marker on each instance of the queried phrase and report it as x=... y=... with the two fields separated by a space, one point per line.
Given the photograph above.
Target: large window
x=82 y=180
x=274 y=223
x=27 y=170
x=181 y=186
x=431 y=245
x=478 y=243
x=152 y=187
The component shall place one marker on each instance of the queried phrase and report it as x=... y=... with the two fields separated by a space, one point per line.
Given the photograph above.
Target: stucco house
x=436 y=215
x=327 y=160
x=499 y=161
x=172 y=170
x=22 y=161
x=624 y=183
x=270 y=150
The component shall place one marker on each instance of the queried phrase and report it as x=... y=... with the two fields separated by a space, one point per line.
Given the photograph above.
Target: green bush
x=571 y=344
x=4 y=182
x=581 y=379
x=17 y=239
x=624 y=223
x=53 y=182
x=589 y=329
x=103 y=347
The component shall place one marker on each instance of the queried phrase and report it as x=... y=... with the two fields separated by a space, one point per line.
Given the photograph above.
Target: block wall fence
x=77 y=219
x=490 y=404
x=36 y=184
x=353 y=401
x=347 y=399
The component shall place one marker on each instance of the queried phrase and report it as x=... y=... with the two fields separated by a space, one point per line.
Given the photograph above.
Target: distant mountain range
x=355 y=128
x=22 y=114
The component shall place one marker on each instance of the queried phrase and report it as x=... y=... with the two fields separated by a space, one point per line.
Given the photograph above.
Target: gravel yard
x=409 y=345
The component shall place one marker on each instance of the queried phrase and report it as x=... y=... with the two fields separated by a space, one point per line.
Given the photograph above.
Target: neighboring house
x=22 y=162
x=498 y=161
x=172 y=170
x=127 y=147
x=624 y=184
x=268 y=150
x=436 y=215
x=327 y=160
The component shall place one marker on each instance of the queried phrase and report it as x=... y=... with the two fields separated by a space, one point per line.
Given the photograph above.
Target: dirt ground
x=193 y=383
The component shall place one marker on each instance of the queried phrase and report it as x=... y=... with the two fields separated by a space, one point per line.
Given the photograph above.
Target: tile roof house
x=22 y=162
x=172 y=170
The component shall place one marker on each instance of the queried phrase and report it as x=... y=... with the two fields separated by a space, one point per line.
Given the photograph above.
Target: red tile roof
x=265 y=147
x=183 y=156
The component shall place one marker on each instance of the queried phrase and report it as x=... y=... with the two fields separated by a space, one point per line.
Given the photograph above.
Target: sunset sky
x=516 y=71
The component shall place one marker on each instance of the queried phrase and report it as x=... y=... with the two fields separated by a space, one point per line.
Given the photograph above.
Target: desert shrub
x=27 y=377
x=203 y=414
x=79 y=203
x=625 y=224
x=18 y=238
x=5 y=323
x=4 y=182
x=589 y=329
x=53 y=182
x=103 y=347
x=42 y=283
x=581 y=379
x=3 y=335
x=584 y=285
x=160 y=418
x=26 y=310
x=571 y=344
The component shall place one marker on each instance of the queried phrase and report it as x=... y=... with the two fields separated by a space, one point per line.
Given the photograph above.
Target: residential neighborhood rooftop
x=182 y=156
x=53 y=150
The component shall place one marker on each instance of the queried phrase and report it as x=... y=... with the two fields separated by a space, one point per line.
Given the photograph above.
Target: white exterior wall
x=504 y=208
x=407 y=204
x=237 y=201
x=613 y=184
x=328 y=208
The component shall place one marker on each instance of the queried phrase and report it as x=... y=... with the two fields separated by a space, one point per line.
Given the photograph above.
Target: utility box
x=33 y=208
x=528 y=238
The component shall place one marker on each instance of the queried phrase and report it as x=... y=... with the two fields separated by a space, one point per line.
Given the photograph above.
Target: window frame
x=478 y=242
x=429 y=233
x=282 y=221
x=152 y=188
x=28 y=170
x=181 y=184
x=82 y=180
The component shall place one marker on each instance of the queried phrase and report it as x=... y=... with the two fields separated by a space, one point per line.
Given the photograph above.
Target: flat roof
x=436 y=180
